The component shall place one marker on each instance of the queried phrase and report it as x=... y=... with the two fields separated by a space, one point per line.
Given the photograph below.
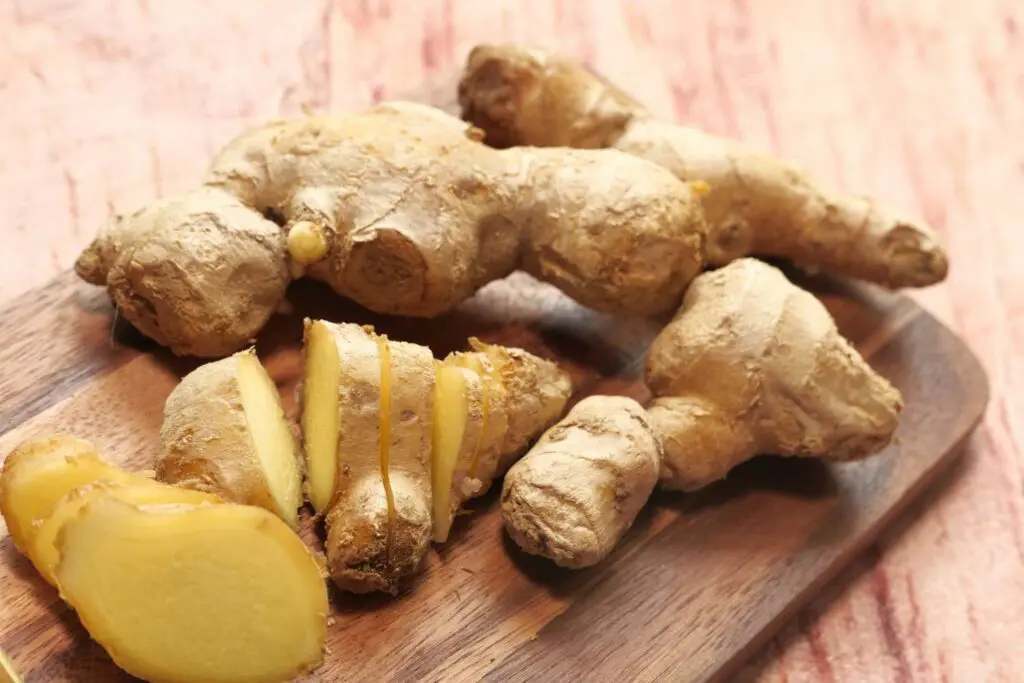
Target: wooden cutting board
x=699 y=583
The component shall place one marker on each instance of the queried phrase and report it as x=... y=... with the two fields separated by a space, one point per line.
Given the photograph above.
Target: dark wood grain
x=57 y=337
x=700 y=581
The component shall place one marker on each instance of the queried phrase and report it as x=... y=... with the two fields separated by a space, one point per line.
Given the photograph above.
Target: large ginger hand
x=404 y=211
x=758 y=204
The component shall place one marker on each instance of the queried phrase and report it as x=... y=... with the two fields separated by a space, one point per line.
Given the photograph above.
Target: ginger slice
x=320 y=419
x=43 y=551
x=385 y=432
x=480 y=365
x=272 y=436
x=38 y=473
x=452 y=421
x=8 y=673
x=182 y=594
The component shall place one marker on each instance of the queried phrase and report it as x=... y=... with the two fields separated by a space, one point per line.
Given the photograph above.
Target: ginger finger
x=577 y=492
x=758 y=204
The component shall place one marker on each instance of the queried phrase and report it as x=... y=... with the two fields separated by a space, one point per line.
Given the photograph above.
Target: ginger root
x=225 y=432
x=575 y=494
x=750 y=364
x=401 y=209
x=757 y=204
x=753 y=364
x=177 y=585
x=395 y=442
x=367 y=413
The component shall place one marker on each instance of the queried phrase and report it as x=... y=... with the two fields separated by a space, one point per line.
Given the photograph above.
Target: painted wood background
x=104 y=105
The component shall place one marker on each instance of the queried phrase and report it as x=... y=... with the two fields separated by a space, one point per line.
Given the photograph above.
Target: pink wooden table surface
x=104 y=105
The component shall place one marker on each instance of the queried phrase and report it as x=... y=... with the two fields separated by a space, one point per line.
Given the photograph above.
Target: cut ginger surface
x=40 y=472
x=184 y=594
x=43 y=551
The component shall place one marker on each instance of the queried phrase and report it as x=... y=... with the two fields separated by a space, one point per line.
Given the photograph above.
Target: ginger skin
x=758 y=204
x=402 y=210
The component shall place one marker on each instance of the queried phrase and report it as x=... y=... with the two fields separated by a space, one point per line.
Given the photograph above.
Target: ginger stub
x=575 y=494
x=225 y=432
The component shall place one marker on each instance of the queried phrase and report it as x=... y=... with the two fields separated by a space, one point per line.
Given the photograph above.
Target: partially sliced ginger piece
x=43 y=551
x=367 y=416
x=489 y=404
x=225 y=432
x=39 y=472
x=181 y=594
x=396 y=442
